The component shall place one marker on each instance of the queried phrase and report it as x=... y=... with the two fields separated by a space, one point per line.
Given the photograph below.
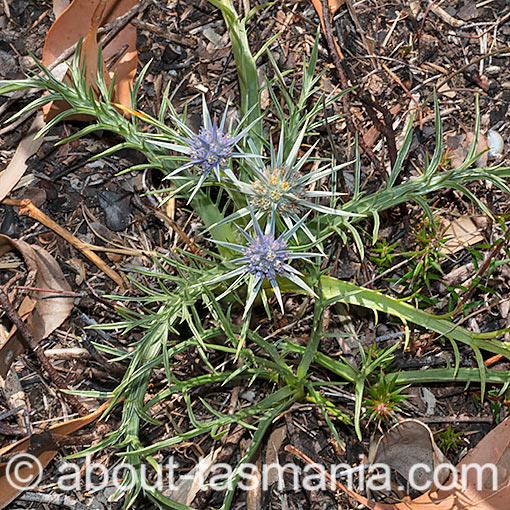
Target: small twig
x=143 y=25
x=10 y=412
x=420 y=30
x=230 y=443
x=313 y=465
x=29 y=209
x=457 y=419
x=68 y=353
x=59 y=500
x=343 y=81
x=36 y=348
x=473 y=62
x=359 y=28
x=11 y=127
x=333 y=145
x=494 y=25
x=399 y=82
x=58 y=293
x=386 y=127
x=167 y=219
x=6 y=430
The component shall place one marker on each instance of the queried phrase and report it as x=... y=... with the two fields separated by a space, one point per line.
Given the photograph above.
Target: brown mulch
x=391 y=50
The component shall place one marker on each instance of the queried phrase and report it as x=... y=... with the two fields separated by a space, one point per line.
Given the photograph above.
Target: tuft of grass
x=449 y=439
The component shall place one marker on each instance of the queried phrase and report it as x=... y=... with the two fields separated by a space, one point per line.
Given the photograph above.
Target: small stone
x=212 y=36
x=468 y=11
x=8 y=64
x=116 y=209
x=493 y=70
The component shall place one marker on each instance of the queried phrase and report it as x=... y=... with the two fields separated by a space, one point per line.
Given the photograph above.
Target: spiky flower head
x=211 y=150
x=278 y=187
x=282 y=186
x=266 y=257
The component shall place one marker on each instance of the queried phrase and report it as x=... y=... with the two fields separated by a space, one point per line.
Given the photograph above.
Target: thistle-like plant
x=385 y=400
x=210 y=151
x=265 y=257
x=283 y=187
x=183 y=291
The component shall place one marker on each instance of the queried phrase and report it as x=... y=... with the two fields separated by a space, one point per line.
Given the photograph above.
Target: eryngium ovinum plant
x=270 y=223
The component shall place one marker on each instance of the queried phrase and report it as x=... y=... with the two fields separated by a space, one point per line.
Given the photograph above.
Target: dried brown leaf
x=43 y=446
x=407 y=444
x=193 y=482
x=461 y=232
x=45 y=315
x=494 y=449
x=82 y=20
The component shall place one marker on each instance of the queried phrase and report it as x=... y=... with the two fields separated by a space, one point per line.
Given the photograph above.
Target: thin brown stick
x=399 y=82
x=7 y=430
x=385 y=127
x=27 y=208
x=473 y=62
x=36 y=348
x=168 y=220
x=328 y=32
x=494 y=25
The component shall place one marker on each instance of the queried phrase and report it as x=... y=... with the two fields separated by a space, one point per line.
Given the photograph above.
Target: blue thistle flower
x=265 y=257
x=209 y=151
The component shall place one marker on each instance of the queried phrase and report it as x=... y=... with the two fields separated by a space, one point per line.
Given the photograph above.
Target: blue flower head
x=265 y=258
x=211 y=150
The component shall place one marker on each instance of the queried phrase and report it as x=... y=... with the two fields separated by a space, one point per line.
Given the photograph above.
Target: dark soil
x=188 y=45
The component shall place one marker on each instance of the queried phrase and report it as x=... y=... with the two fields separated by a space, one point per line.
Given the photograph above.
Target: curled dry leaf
x=193 y=482
x=493 y=493
x=274 y=444
x=42 y=446
x=461 y=232
x=82 y=19
x=460 y=145
x=408 y=444
x=43 y=315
